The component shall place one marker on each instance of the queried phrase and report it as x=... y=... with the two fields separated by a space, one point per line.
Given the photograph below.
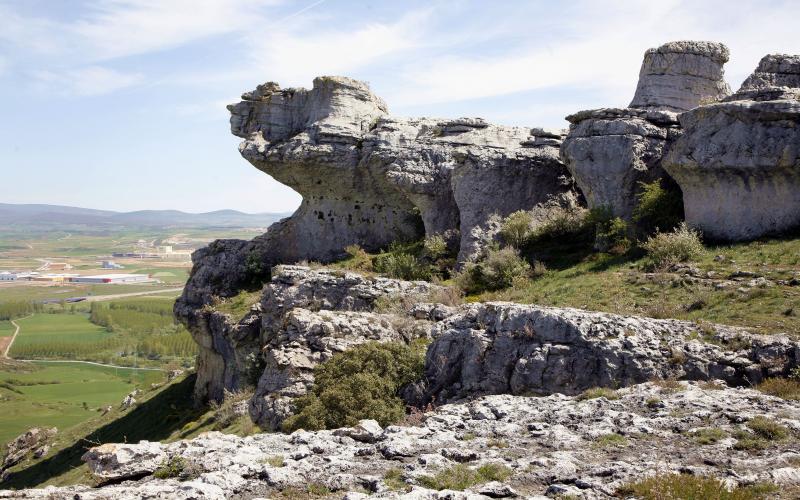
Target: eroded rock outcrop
x=498 y=348
x=610 y=151
x=738 y=162
x=554 y=445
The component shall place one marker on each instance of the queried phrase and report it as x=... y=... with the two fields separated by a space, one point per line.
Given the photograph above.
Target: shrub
x=709 y=435
x=435 y=247
x=256 y=271
x=685 y=486
x=785 y=388
x=598 y=392
x=657 y=208
x=681 y=245
x=357 y=384
x=178 y=467
x=610 y=233
x=228 y=411
x=393 y=479
x=460 y=477
x=768 y=429
x=404 y=266
x=558 y=221
x=517 y=228
x=610 y=440
x=359 y=259
x=498 y=270
x=275 y=461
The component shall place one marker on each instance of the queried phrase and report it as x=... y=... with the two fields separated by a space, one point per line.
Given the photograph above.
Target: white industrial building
x=113 y=278
x=7 y=276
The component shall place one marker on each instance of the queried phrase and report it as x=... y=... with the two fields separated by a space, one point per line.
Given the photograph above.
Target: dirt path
x=100 y=298
x=13 y=337
x=89 y=363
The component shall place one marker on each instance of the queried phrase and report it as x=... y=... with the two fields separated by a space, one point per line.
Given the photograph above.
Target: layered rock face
x=610 y=151
x=679 y=76
x=499 y=348
x=738 y=162
x=555 y=446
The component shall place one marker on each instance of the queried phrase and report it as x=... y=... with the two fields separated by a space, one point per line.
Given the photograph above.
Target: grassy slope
x=53 y=394
x=161 y=415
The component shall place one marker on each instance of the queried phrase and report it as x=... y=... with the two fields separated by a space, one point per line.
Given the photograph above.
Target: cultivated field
x=61 y=394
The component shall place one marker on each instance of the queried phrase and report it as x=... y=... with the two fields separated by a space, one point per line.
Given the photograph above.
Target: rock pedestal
x=738 y=162
x=610 y=152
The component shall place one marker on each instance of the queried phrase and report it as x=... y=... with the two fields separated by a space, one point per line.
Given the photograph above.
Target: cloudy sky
x=120 y=104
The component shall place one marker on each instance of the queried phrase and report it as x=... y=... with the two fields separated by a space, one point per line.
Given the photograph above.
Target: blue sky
x=120 y=104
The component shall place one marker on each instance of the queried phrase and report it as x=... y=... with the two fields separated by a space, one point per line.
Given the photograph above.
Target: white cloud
x=87 y=81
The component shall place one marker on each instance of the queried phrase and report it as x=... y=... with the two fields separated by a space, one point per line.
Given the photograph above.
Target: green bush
x=517 y=228
x=403 y=266
x=435 y=247
x=686 y=486
x=359 y=259
x=498 y=270
x=177 y=467
x=657 y=209
x=558 y=221
x=460 y=477
x=357 y=384
x=610 y=232
x=681 y=245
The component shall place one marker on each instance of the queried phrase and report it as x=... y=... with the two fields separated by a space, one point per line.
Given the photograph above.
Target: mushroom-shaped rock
x=611 y=151
x=738 y=162
x=679 y=76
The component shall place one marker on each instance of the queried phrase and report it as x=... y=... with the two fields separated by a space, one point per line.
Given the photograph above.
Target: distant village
x=58 y=272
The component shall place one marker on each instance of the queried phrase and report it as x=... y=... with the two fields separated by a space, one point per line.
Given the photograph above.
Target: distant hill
x=37 y=216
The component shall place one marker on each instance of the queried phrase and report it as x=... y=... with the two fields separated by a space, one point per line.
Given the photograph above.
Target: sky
x=120 y=104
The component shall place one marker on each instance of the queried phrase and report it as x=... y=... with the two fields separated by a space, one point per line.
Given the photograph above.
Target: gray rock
x=679 y=76
x=33 y=442
x=497 y=348
x=230 y=466
x=738 y=162
x=114 y=462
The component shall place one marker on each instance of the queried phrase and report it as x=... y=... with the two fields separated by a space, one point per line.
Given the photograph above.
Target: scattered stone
x=33 y=442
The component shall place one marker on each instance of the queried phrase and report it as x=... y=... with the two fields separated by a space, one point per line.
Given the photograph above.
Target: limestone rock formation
x=679 y=76
x=33 y=442
x=550 y=445
x=301 y=319
x=610 y=151
x=499 y=348
x=738 y=162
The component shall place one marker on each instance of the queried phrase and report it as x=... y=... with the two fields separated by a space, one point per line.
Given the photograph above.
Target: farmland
x=61 y=394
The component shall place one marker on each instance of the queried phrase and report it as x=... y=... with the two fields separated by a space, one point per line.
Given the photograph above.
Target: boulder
x=33 y=442
x=610 y=151
x=738 y=161
x=499 y=347
x=115 y=462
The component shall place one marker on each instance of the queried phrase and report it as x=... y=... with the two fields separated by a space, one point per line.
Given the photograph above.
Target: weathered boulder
x=553 y=443
x=115 y=462
x=501 y=347
x=33 y=442
x=679 y=76
x=611 y=151
x=738 y=162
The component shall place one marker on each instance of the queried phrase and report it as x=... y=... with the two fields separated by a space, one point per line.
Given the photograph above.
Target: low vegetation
x=785 y=388
x=598 y=392
x=658 y=208
x=709 y=435
x=610 y=441
x=238 y=305
x=763 y=432
x=460 y=477
x=681 y=245
x=358 y=384
x=499 y=269
x=686 y=486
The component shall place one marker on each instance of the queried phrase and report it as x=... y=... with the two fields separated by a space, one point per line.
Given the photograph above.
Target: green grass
x=577 y=277
x=460 y=477
x=238 y=305
x=685 y=486
x=37 y=401
x=6 y=328
x=164 y=414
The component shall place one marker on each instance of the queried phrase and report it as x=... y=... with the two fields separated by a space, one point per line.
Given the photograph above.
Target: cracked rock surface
x=551 y=445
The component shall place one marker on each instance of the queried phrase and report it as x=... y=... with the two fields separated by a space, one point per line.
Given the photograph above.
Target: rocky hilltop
x=516 y=400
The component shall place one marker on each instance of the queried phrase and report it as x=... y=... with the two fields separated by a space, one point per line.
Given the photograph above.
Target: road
x=100 y=298
x=88 y=363
x=13 y=337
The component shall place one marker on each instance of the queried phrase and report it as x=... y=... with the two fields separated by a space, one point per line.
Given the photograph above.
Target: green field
x=53 y=394
x=57 y=335
x=6 y=328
